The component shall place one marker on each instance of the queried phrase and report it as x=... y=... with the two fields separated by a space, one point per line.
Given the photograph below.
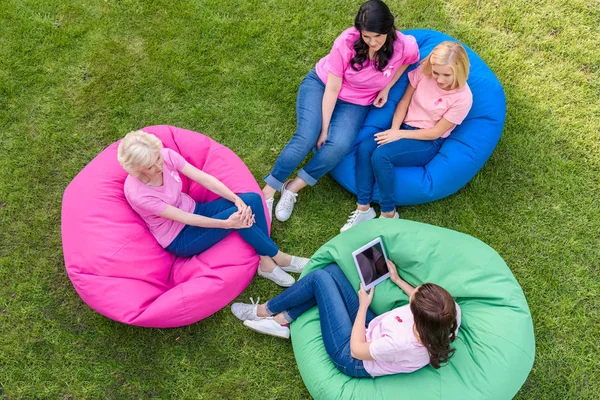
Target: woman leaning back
x=184 y=227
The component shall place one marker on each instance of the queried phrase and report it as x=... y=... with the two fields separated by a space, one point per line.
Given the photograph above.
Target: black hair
x=374 y=16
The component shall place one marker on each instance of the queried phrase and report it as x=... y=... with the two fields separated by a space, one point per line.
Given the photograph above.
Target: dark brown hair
x=434 y=312
x=374 y=16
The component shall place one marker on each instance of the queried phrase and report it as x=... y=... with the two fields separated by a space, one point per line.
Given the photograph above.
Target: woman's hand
x=393 y=271
x=381 y=98
x=243 y=208
x=364 y=298
x=322 y=139
x=389 y=136
x=239 y=221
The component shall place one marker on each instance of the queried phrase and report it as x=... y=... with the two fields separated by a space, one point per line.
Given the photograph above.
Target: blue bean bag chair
x=463 y=153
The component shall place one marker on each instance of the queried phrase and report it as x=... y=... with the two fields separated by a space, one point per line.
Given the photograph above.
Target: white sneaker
x=278 y=276
x=268 y=326
x=396 y=216
x=356 y=217
x=297 y=265
x=284 y=208
x=270 y=207
x=245 y=311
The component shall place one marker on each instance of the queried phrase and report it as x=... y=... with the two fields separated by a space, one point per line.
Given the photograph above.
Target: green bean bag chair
x=495 y=346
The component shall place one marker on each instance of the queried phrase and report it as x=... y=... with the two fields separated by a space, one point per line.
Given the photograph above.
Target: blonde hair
x=451 y=54
x=138 y=150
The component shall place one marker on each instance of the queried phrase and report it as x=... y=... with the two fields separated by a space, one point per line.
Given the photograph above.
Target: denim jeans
x=329 y=289
x=194 y=239
x=376 y=163
x=346 y=121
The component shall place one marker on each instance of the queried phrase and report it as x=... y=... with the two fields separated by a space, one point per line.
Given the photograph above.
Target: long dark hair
x=374 y=16
x=435 y=320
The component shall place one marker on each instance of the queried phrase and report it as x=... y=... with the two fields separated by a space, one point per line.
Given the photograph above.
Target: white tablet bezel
x=360 y=250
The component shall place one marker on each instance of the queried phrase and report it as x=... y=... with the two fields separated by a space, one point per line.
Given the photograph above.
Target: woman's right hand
x=321 y=140
x=238 y=220
x=393 y=271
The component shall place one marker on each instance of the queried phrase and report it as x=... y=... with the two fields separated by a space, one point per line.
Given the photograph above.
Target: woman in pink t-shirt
x=153 y=188
x=360 y=343
x=364 y=63
x=437 y=99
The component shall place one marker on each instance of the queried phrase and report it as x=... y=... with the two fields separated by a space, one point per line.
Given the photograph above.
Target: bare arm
x=359 y=347
x=187 y=218
x=332 y=90
x=391 y=135
x=402 y=284
x=402 y=107
x=209 y=182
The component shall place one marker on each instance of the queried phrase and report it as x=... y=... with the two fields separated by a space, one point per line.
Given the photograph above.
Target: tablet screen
x=371 y=263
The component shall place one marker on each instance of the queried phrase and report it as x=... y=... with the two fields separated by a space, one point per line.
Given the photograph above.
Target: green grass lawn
x=77 y=75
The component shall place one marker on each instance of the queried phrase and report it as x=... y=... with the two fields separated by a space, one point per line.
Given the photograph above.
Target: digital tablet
x=371 y=263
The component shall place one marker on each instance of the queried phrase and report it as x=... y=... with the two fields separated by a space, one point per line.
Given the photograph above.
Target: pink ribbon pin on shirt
x=388 y=72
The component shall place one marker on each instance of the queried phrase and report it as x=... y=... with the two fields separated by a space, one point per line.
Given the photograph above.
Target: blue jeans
x=346 y=121
x=329 y=289
x=194 y=239
x=376 y=163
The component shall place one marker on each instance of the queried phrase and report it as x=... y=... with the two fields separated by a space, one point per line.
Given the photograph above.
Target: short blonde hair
x=138 y=150
x=451 y=54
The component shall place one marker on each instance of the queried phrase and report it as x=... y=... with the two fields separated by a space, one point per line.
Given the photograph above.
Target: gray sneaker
x=356 y=217
x=297 y=265
x=245 y=311
x=278 y=276
x=284 y=208
x=268 y=326
x=396 y=216
x=270 y=207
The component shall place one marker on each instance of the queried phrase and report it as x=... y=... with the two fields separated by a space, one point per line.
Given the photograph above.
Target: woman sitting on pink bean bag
x=180 y=225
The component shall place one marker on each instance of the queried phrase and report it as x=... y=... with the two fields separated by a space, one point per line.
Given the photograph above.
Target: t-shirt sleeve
x=415 y=76
x=174 y=159
x=340 y=55
x=459 y=109
x=384 y=349
x=411 y=50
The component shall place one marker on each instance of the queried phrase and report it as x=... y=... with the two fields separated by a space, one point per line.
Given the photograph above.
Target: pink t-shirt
x=394 y=346
x=361 y=87
x=149 y=201
x=430 y=103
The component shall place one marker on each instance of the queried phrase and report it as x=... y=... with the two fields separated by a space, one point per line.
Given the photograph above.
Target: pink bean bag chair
x=120 y=270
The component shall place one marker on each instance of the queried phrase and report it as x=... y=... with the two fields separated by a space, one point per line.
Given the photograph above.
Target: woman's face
x=374 y=40
x=444 y=75
x=156 y=168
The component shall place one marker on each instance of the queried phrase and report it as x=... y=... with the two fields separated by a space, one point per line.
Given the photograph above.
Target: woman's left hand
x=381 y=98
x=245 y=210
x=389 y=136
x=364 y=298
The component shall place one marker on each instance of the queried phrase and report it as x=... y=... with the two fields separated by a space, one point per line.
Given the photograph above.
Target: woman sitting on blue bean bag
x=437 y=99
x=333 y=100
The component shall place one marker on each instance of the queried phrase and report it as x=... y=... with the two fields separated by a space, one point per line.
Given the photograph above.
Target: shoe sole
x=277 y=283
x=292 y=269
x=268 y=333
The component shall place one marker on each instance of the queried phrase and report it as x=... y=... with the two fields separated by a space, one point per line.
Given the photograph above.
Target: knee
x=366 y=147
x=380 y=156
x=319 y=275
x=332 y=268
x=252 y=199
